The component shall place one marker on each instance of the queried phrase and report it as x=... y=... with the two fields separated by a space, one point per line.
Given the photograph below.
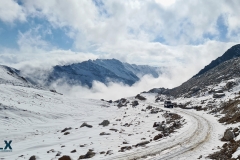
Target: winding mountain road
x=194 y=136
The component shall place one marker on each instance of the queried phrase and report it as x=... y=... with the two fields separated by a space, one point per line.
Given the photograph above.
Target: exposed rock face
x=105 y=123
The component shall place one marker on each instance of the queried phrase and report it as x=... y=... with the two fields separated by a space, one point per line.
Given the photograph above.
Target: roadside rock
x=158 y=137
x=142 y=143
x=160 y=128
x=123 y=149
x=218 y=95
x=156 y=124
x=228 y=135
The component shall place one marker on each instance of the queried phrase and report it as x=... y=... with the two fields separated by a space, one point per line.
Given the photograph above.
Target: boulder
x=86 y=125
x=142 y=143
x=158 y=137
x=89 y=154
x=218 y=95
x=73 y=151
x=123 y=149
x=230 y=85
x=156 y=124
x=228 y=135
x=104 y=133
x=66 y=133
x=155 y=110
x=65 y=129
x=160 y=128
x=149 y=107
x=140 y=97
x=59 y=153
x=122 y=102
x=32 y=158
x=105 y=123
x=64 y=158
x=135 y=103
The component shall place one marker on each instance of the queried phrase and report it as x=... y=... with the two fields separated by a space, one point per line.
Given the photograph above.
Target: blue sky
x=154 y=32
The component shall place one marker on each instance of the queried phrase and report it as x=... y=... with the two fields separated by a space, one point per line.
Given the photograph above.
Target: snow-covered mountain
x=231 y=53
x=141 y=70
x=12 y=76
x=102 y=70
x=43 y=124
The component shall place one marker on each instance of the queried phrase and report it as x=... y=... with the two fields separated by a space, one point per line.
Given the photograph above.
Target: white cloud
x=11 y=11
x=166 y=3
x=126 y=30
x=114 y=90
x=176 y=21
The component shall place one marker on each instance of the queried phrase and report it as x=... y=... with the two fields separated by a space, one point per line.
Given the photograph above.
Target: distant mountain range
x=102 y=70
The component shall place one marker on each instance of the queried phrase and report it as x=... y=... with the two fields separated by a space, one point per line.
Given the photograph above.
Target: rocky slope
x=233 y=52
x=225 y=70
x=13 y=76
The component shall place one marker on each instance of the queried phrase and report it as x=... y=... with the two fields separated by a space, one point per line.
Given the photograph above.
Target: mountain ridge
x=232 y=52
x=102 y=70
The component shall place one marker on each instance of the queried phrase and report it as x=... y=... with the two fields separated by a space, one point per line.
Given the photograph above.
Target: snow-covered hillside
x=12 y=76
x=49 y=125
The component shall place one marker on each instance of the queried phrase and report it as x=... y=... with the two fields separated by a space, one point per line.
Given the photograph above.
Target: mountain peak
x=231 y=53
x=102 y=70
